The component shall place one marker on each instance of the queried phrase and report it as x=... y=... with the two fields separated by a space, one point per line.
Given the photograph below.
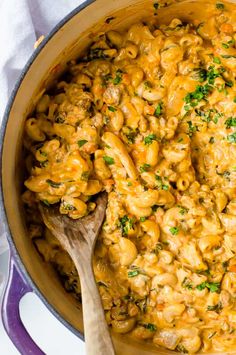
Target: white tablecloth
x=22 y=22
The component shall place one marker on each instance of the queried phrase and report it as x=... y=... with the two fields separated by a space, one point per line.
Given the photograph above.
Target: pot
x=28 y=273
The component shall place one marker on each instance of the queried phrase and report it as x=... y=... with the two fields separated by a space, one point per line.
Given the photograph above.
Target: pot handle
x=16 y=288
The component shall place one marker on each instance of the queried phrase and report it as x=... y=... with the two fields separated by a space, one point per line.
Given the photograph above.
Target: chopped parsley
x=227 y=56
x=216 y=60
x=96 y=53
x=231 y=138
x=192 y=99
x=147 y=84
x=217 y=308
x=46 y=202
x=228 y=44
x=84 y=176
x=174 y=230
x=187 y=284
x=149 y=139
x=143 y=168
x=158 y=110
x=108 y=160
x=126 y=224
x=68 y=207
x=234 y=100
x=44 y=154
x=191 y=128
x=53 y=183
x=149 y=326
x=214 y=73
x=143 y=219
x=230 y=122
x=160 y=184
x=112 y=109
x=225 y=45
x=183 y=210
x=212 y=140
x=200 y=74
x=133 y=273
x=118 y=77
x=130 y=134
x=220 y=6
x=82 y=142
x=158 y=247
x=181 y=349
x=212 y=286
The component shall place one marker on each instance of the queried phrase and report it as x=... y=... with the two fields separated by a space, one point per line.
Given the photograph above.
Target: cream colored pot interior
x=67 y=43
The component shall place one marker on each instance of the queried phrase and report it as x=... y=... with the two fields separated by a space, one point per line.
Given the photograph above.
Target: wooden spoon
x=78 y=238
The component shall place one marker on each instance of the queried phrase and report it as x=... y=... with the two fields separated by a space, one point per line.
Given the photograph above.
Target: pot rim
x=3 y=213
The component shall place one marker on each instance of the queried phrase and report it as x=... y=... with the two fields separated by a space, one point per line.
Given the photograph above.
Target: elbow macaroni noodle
x=149 y=116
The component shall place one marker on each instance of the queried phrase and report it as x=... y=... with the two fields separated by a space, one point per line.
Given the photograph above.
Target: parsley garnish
x=53 y=183
x=108 y=160
x=160 y=184
x=126 y=224
x=187 y=284
x=211 y=140
x=149 y=139
x=149 y=326
x=181 y=349
x=133 y=273
x=82 y=142
x=130 y=134
x=183 y=210
x=84 y=176
x=231 y=138
x=143 y=219
x=225 y=45
x=216 y=60
x=112 y=109
x=227 y=56
x=46 y=202
x=201 y=74
x=144 y=167
x=217 y=308
x=212 y=286
x=191 y=128
x=193 y=98
x=174 y=230
x=68 y=207
x=158 y=247
x=220 y=6
x=118 y=77
x=147 y=84
x=230 y=122
x=158 y=110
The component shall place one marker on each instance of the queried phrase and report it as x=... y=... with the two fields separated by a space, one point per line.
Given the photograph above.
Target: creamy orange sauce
x=149 y=116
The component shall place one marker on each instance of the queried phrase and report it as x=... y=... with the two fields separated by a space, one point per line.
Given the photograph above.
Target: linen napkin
x=22 y=22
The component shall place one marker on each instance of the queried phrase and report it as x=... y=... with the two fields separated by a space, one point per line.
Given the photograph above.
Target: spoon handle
x=97 y=337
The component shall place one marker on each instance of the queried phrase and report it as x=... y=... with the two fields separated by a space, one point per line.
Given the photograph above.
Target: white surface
x=21 y=23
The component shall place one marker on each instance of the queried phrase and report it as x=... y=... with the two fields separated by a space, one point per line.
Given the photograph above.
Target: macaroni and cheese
x=149 y=116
